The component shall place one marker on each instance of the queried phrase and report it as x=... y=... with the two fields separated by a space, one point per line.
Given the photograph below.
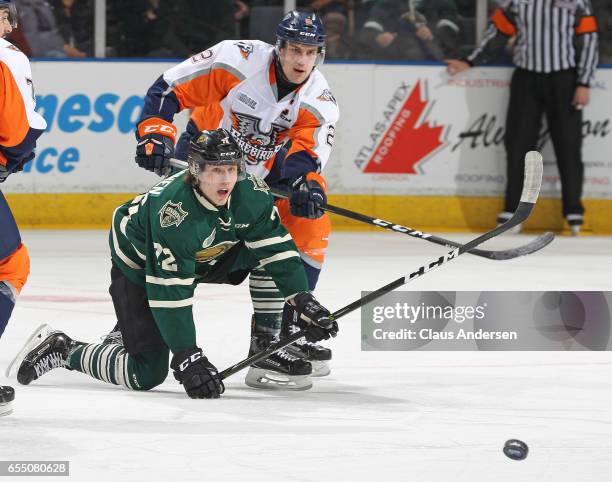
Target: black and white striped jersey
x=548 y=36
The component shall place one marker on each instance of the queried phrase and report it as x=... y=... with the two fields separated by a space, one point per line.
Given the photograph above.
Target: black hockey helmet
x=217 y=148
x=303 y=28
x=12 y=11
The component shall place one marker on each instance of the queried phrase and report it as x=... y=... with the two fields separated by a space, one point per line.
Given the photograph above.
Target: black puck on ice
x=516 y=449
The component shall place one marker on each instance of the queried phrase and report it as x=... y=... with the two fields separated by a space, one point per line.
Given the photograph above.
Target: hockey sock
x=267 y=303
x=7 y=303
x=111 y=363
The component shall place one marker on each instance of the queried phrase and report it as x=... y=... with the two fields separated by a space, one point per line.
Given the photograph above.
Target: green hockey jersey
x=170 y=238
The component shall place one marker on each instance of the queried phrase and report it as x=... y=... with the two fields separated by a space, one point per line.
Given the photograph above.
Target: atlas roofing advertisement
x=403 y=130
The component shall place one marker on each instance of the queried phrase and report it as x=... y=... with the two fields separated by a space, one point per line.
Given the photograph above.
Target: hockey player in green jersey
x=210 y=224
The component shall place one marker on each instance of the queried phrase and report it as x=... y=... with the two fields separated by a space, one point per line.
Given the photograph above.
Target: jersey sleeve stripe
x=169 y=281
x=268 y=242
x=122 y=256
x=279 y=257
x=170 y=304
x=269 y=305
x=502 y=23
x=586 y=25
x=122 y=228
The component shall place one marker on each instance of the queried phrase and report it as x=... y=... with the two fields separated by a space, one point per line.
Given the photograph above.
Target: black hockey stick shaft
x=529 y=196
x=535 y=245
x=501 y=255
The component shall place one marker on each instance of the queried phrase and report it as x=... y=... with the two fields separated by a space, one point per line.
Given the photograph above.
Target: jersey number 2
x=168 y=263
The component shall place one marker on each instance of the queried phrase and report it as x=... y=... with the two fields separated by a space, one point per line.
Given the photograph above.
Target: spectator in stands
x=75 y=19
x=186 y=26
x=338 y=45
x=323 y=7
x=41 y=31
x=396 y=30
x=443 y=22
x=603 y=12
x=133 y=29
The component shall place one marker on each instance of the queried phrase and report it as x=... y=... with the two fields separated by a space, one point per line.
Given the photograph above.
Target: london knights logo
x=172 y=214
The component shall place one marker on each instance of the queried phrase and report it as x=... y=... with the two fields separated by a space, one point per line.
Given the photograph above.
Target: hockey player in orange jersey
x=20 y=126
x=281 y=112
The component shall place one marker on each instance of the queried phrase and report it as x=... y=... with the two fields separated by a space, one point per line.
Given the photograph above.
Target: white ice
x=379 y=416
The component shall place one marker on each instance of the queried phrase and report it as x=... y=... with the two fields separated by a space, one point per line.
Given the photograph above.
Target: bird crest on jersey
x=172 y=214
x=246 y=49
x=258 y=146
x=209 y=254
x=327 y=96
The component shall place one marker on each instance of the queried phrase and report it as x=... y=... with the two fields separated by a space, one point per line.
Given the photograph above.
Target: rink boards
x=413 y=146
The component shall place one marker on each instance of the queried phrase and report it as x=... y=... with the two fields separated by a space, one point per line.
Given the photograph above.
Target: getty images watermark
x=489 y=320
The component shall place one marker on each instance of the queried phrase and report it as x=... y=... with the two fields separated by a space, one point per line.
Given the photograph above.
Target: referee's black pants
x=531 y=95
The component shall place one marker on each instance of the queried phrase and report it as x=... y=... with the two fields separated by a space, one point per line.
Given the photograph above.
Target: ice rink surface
x=379 y=416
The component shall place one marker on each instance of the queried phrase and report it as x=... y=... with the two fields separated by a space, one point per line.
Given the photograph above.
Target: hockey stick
x=531 y=247
x=535 y=245
x=529 y=196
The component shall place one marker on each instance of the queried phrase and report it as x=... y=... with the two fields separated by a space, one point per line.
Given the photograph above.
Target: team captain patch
x=171 y=214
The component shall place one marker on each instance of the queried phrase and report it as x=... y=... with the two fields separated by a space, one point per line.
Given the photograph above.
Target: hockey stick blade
x=531 y=189
x=535 y=245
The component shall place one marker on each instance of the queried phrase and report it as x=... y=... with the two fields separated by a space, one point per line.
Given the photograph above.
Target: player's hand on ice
x=313 y=317
x=155 y=145
x=199 y=377
x=581 y=97
x=307 y=196
x=454 y=66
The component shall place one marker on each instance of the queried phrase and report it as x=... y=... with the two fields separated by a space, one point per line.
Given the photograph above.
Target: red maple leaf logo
x=405 y=143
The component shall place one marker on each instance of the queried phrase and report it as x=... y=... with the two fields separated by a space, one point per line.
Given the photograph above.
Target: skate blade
x=319 y=368
x=6 y=409
x=269 y=380
x=39 y=335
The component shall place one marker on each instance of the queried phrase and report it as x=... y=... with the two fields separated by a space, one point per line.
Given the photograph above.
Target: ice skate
x=575 y=222
x=52 y=352
x=280 y=371
x=7 y=395
x=317 y=355
x=39 y=334
x=114 y=337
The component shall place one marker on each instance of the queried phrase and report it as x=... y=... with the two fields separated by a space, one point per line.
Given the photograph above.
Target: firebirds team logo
x=327 y=96
x=246 y=49
x=257 y=145
x=172 y=214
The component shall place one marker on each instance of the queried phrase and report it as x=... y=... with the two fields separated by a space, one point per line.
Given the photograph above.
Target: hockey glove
x=199 y=377
x=155 y=145
x=307 y=196
x=13 y=167
x=313 y=317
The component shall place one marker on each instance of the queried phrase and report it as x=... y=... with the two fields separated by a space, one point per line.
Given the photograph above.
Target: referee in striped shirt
x=556 y=51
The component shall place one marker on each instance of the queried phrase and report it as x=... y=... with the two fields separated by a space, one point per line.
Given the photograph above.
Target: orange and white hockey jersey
x=20 y=125
x=233 y=85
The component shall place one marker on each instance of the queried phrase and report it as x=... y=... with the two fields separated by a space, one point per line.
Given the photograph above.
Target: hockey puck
x=516 y=449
